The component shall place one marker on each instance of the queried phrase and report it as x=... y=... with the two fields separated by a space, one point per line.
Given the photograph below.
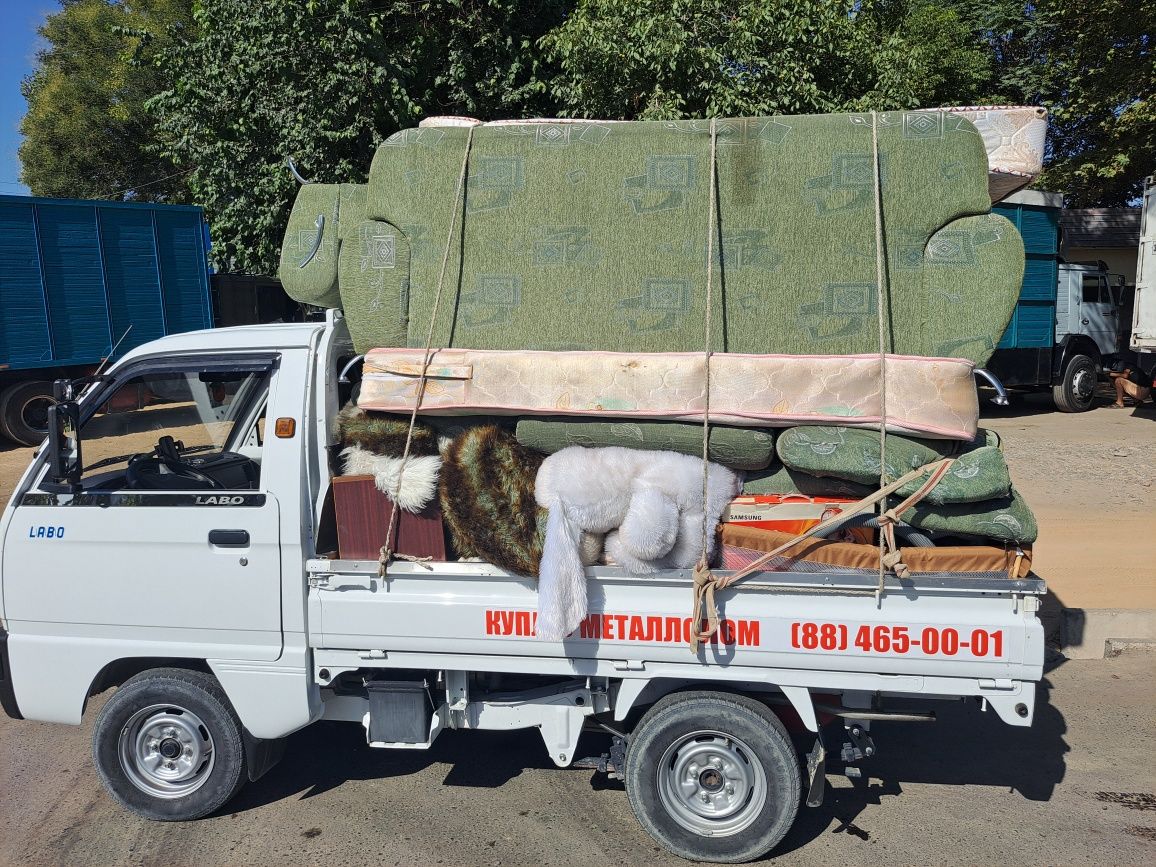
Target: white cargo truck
x=1143 y=338
x=171 y=540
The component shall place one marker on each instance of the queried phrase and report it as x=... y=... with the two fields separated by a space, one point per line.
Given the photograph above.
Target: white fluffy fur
x=418 y=483
x=648 y=503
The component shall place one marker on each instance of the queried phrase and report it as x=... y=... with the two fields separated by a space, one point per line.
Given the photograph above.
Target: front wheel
x=713 y=776
x=1076 y=390
x=168 y=745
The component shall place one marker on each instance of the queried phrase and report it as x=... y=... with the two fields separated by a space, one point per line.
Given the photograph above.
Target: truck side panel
x=1032 y=323
x=477 y=609
x=74 y=275
x=129 y=250
x=24 y=334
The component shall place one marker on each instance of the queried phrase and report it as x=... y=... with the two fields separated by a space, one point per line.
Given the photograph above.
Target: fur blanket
x=648 y=503
x=412 y=490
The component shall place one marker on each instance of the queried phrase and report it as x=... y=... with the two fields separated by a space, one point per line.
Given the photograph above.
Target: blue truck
x=82 y=282
x=1065 y=329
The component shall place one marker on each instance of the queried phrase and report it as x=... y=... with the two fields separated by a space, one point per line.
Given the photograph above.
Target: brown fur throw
x=384 y=434
x=486 y=490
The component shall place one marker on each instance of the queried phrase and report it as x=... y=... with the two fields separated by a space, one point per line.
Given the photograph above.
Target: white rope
x=386 y=549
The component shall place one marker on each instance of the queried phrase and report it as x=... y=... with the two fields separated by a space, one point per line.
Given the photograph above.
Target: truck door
x=1098 y=312
x=160 y=556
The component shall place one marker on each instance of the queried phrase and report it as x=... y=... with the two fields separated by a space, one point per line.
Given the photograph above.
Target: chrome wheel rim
x=1083 y=384
x=166 y=751
x=712 y=784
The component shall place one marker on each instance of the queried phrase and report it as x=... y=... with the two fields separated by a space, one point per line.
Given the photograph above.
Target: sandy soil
x=1091 y=481
x=1090 y=478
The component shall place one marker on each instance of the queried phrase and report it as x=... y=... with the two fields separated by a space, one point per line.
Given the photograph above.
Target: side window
x=1096 y=290
x=177 y=430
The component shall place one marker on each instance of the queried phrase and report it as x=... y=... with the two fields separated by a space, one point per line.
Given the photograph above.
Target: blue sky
x=18 y=43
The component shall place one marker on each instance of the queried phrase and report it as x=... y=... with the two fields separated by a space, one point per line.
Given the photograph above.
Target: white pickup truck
x=170 y=540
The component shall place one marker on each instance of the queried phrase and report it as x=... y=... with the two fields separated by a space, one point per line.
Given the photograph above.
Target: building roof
x=1100 y=227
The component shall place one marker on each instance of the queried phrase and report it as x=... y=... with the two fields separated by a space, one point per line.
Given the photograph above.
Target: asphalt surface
x=1076 y=788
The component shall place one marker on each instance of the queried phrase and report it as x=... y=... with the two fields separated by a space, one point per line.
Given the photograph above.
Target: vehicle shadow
x=963 y=747
x=325 y=755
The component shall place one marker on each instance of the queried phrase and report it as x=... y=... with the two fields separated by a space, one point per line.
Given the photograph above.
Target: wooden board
x=363 y=515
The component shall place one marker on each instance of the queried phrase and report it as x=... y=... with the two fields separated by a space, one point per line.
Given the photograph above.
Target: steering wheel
x=164 y=469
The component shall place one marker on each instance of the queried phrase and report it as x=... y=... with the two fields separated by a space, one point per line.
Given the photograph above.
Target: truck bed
x=935 y=635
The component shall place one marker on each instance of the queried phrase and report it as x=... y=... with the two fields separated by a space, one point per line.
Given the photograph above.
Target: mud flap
x=816 y=773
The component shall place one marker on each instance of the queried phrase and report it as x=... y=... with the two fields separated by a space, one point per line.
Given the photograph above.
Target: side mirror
x=64 y=462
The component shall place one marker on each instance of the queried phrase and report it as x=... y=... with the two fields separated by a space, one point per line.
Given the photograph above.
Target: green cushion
x=852 y=455
x=737 y=448
x=783 y=480
x=309 y=266
x=1007 y=519
x=593 y=236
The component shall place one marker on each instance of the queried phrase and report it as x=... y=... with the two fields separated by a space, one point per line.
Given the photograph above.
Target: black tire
x=689 y=730
x=24 y=412
x=1076 y=391
x=172 y=714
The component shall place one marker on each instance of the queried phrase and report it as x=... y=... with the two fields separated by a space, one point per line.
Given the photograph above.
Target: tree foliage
x=326 y=81
x=1097 y=75
x=129 y=93
x=86 y=132
x=656 y=59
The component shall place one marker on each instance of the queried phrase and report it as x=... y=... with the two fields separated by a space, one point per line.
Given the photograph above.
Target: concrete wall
x=1120 y=260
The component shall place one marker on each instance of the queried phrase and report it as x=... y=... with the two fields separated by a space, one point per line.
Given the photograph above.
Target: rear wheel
x=168 y=745
x=713 y=776
x=1076 y=390
x=24 y=412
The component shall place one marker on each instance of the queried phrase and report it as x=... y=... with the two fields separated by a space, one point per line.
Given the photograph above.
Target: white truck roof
x=274 y=336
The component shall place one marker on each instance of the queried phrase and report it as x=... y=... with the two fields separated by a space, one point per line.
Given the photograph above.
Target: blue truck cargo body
x=77 y=276
x=82 y=281
x=1033 y=323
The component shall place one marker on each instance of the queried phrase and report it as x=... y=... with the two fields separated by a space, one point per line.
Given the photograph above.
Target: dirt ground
x=1090 y=478
x=1075 y=788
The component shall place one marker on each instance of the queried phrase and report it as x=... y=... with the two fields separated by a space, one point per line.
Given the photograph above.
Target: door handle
x=229 y=538
x=1084 y=321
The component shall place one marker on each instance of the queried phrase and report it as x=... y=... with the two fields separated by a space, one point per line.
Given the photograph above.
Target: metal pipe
x=1000 y=398
x=343 y=378
x=301 y=179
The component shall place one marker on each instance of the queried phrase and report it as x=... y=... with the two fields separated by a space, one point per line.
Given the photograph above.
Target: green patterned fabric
x=593 y=236
x=783 y=480
x=374 y=270
x=737 y=448
x=341 y=207
x=852 y=455
x=1007 y=519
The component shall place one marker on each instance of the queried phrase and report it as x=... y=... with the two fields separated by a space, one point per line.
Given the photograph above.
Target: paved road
x=1075 y=789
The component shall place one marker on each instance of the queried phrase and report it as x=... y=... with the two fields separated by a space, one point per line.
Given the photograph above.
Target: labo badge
x=40 y=531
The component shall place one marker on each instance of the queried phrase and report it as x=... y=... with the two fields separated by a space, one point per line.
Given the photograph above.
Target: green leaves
x=176 y=100
x=86 y=132
x=326 y=81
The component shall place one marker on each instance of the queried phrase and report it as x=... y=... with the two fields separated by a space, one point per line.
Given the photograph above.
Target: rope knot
x=705 y=585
